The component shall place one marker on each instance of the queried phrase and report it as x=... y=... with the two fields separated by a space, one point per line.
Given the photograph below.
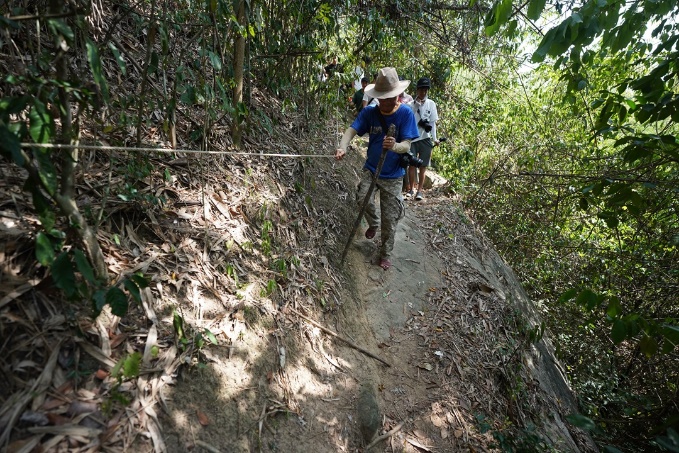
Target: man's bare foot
x=385 y=263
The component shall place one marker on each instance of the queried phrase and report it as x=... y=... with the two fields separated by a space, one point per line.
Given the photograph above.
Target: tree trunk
x=66 y=197
x=150 y=41
x=238 y=63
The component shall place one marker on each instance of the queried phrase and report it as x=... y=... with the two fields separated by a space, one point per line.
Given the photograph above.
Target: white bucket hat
x=387 y=85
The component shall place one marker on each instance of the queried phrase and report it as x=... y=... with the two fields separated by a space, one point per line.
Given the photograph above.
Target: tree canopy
x=562 y=119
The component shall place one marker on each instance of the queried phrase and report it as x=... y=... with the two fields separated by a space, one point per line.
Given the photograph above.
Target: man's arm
x=402 y=147
x=435 y=118
x=344 y=143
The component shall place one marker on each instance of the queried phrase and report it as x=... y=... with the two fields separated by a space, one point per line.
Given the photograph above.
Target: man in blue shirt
x=373 y=120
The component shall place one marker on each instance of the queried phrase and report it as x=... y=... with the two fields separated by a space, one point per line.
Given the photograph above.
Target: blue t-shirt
x=406 y=129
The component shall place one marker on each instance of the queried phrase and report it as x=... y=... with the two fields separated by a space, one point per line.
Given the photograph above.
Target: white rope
x=165 y=150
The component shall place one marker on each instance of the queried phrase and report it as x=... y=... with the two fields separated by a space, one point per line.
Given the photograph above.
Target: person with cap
x=426 y=116
x=374 y=120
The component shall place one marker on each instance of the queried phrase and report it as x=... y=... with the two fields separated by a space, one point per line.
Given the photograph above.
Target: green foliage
x=511 y=439
x=187 y=338
x=128 y=367
x=267 y=240
x=498 y=15
x=95 y=290
x=136 y=170
x=652 y=336
x=281 y=266
x=669 y=442
x=44 y=251
x=73 y=274
x=232 y=273
x=271 y=286
x=37 y=109
x=572 y=172
x=95 y=66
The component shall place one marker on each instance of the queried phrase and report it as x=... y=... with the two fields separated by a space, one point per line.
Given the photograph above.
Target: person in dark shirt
x=331 y=68
x=357 y=99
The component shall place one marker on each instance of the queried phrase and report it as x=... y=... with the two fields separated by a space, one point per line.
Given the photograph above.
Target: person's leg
x=420 y=180
x=392 y=210
x=424 y=152
x=412 y=178
x=370 y=210
x=415 y=149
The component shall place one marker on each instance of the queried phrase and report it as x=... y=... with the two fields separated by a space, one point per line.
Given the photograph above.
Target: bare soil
x=246 y=251
x=442 y=318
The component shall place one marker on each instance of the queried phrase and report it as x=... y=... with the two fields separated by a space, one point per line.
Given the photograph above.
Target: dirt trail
x=440 y=316
x=389 y=297
x=328 y=379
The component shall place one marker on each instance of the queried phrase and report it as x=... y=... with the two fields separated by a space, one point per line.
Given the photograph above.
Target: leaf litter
x=211 y=358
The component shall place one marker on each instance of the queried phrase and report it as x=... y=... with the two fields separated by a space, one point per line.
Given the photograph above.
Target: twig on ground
x=208 y=447
x=330 y=332
x=386 y=435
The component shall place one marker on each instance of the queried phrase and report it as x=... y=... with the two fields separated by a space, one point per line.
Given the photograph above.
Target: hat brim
x=400 y=88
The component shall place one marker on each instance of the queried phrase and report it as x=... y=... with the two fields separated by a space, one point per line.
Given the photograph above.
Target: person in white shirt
x=358 y=74
x=426 y=116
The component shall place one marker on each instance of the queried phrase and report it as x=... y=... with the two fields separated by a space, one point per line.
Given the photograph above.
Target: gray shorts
x=422 y=149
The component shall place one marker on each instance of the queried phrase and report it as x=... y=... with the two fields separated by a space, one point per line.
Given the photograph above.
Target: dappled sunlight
x=172 y=273
x=181 y=419
x=244 y=378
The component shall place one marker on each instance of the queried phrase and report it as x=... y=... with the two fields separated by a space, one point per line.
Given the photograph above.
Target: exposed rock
x=368 y=412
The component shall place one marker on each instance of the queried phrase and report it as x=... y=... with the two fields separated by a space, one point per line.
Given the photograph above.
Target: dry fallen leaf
x=78 y=407
x=458 y=433
x=56 y=419
x=420 y=434
x=415 y=443
x=485 y=289
x=51 y=403
x=444 y=433
x=202 y=418
x=116 y=340
x=436 y=420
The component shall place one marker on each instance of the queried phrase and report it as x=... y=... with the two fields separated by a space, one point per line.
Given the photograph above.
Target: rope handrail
x=167 y=150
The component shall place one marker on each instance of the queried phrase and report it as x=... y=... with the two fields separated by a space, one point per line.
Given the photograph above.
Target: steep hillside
x=242 y=251
x=244 y=332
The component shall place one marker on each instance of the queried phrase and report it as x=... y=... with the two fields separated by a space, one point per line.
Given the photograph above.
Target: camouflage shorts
x=392 y=208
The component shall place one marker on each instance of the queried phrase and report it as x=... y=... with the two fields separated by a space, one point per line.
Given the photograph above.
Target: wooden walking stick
x=390 y=133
